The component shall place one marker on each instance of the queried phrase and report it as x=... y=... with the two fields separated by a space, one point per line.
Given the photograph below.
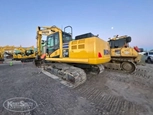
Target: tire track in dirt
x=96 y=90
x=141 y=78
x=139 y=73
x=110 y=104
x=107 y=103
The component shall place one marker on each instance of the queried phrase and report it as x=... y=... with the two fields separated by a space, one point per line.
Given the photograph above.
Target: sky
x=20 y=18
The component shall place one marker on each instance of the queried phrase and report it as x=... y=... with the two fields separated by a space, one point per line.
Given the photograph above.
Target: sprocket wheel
x=128 y=67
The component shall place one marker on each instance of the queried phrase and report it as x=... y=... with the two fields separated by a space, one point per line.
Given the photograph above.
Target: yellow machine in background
x=29 y=54
x=8 y=50
x=68 y=58
x=24 y=54
x=123 y=57
x=18 y=55
x=1 y=54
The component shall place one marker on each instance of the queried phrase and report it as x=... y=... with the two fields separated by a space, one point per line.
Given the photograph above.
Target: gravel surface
x=111 y=93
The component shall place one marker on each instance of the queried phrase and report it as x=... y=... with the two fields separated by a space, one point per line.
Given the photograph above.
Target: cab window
x=50 y=41
x=66 y=37
x=53 y=39
x=150 y=53
x=56 y=39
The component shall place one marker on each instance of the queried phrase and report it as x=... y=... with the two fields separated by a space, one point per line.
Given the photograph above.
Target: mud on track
x=110 y=93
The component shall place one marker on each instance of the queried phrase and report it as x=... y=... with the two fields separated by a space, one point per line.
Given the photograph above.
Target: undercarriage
x=123 y=64
x=71 y=75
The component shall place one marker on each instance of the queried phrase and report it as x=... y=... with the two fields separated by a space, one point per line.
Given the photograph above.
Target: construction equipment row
x=70 y=59
x=17 y=53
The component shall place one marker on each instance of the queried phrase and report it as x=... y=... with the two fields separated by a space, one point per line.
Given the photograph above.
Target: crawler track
x=68 y=74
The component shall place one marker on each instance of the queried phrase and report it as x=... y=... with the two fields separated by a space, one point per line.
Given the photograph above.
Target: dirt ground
x=110 y=93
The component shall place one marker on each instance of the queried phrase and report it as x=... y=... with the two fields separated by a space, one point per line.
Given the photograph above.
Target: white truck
x=149 y=56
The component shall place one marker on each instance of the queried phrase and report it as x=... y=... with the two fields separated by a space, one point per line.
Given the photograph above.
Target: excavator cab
x=29 y=52
x=53 y=41
x=120 y=47
x=120 y=42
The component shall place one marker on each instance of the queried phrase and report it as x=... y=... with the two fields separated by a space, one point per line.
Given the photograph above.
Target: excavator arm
x=45 y=30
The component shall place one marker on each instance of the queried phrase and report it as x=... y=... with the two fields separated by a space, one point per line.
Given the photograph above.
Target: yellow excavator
x=18 y=53
x=123 y=57
x=1 y=55
x=24 y=54
x=6 y=50
x=68 y=58
x=29 y=54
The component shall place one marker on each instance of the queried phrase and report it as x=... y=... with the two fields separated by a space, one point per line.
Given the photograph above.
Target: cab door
x=53 y=45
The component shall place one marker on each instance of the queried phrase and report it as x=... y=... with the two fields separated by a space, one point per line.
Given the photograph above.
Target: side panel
x=90 y=48
x=101 y=52
x=115 y=52
x=123 y=52
x=128 y=52
x=79 y=49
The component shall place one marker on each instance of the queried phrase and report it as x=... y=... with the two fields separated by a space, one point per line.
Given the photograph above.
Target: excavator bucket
x=37 y=63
